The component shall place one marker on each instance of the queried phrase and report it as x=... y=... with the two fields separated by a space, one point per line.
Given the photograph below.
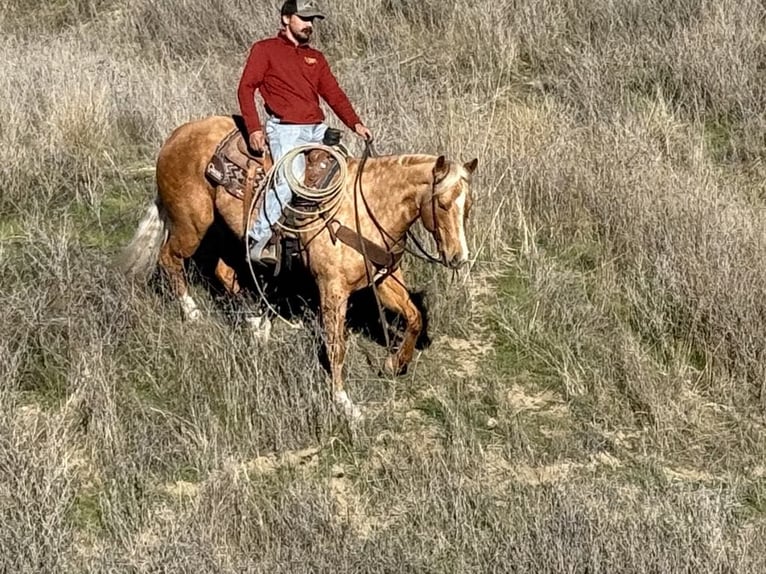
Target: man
x=291 y=76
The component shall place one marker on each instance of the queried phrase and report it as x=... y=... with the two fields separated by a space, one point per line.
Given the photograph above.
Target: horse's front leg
x=333 y=303
x=394 y=296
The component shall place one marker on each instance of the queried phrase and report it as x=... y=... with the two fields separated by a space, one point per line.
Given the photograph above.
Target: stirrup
x=266 y=255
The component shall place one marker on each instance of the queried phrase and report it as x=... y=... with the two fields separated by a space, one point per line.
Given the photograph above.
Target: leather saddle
x=231 y=160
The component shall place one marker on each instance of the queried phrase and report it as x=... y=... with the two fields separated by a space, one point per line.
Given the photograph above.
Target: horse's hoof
x=260 y=326
x=351 y=411
x=193 y=316
x=392 y=366
x=190 y=310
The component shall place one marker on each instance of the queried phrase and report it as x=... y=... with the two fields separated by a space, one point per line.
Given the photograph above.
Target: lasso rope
x=326 y=199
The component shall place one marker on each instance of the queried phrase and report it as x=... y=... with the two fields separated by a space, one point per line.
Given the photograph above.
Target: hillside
x=593 y=399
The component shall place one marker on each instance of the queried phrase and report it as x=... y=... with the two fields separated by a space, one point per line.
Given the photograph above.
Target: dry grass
x=594 y=397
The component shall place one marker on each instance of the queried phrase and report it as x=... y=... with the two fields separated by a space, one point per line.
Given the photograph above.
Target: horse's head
x=445 y=211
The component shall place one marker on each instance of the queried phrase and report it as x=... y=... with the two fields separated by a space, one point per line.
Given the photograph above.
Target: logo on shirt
x=309 y=60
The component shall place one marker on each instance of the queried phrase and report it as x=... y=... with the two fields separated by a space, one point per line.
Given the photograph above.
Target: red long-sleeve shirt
x=290 y=79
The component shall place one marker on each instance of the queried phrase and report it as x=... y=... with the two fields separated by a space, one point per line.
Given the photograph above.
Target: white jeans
x=283 y=138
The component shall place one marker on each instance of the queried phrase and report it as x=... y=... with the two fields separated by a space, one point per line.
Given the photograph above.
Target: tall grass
x=594 y=397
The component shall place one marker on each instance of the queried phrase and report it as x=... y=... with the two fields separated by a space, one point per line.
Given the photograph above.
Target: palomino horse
x=397 y=191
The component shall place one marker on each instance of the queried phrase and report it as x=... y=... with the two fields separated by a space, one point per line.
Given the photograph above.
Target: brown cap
x=302 y=8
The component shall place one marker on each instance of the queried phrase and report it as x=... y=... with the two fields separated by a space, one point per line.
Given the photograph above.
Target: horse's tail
x=139 y=258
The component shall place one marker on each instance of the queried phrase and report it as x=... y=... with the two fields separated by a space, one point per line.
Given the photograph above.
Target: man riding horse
x=291 y=76
x=380 y=199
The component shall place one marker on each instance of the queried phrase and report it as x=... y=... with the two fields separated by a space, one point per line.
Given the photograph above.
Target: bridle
x=422 y=253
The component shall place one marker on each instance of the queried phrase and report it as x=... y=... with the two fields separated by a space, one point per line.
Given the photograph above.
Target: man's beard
x=303 y=36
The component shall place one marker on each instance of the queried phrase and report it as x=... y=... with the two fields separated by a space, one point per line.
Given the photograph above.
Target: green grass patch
x=110 y=222
x=434 y=409
x=11 y=228
x=753 y=498
x=514 y=355
x=44 y=374
x=86 y=514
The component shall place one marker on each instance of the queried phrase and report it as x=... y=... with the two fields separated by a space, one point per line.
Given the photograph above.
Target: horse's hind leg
x=188 y=225
x=228 y=277
x=259 y=323
x=394 y=296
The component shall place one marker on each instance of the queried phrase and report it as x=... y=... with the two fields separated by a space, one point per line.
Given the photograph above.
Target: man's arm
x=336 y=98
x=252 y=77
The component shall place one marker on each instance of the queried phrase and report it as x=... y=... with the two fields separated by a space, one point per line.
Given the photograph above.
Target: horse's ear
x=471 y=165
x=441 y=169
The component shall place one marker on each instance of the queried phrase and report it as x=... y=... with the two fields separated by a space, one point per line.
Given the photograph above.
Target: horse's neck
x=393 y=188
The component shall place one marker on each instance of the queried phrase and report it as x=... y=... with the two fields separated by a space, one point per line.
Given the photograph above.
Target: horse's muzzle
x=456 y=261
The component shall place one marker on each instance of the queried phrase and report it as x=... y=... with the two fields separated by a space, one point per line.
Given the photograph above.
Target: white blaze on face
x=460 y=205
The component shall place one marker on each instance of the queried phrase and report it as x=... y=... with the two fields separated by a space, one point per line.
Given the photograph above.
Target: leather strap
x=378 y=256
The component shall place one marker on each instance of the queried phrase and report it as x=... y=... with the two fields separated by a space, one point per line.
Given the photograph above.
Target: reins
x=421 y=253
x=370 y=279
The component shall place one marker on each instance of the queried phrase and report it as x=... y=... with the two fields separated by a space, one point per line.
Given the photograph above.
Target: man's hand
x=363 y=132
x=258 y=141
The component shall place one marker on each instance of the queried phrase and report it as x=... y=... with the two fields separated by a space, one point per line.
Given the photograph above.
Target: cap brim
x=310 y=14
